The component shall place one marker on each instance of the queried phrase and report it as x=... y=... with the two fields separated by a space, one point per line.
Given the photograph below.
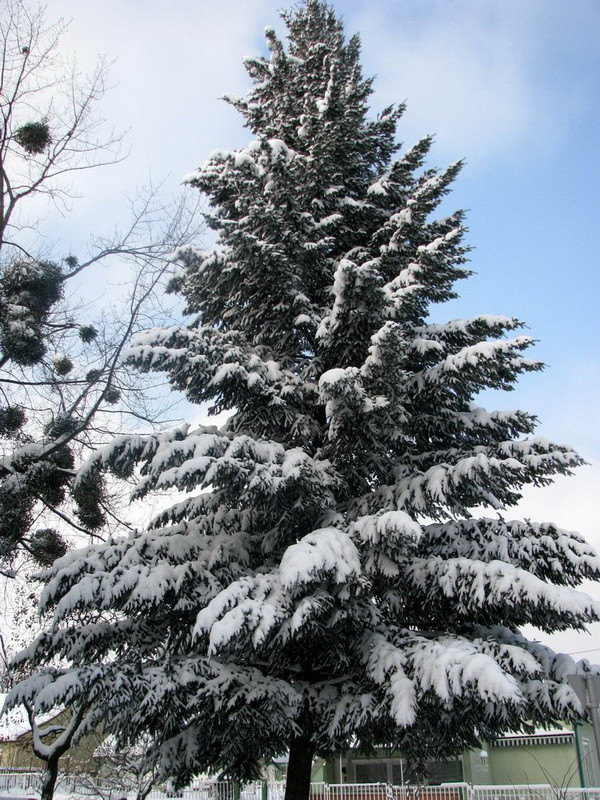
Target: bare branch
x=43 y=93
x=63 y=388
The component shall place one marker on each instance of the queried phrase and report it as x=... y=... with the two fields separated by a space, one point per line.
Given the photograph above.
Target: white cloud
x=572 y=503
x=473 y=72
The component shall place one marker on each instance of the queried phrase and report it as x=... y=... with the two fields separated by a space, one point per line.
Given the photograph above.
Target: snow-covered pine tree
x=323 y=581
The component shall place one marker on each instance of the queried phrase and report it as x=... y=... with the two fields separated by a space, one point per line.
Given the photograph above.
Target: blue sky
x=511 y=86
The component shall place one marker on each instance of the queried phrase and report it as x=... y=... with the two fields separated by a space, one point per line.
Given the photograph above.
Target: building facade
x=563 y=757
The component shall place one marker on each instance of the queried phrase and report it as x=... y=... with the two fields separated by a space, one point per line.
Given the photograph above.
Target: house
x=16 y=749
x=563 y=757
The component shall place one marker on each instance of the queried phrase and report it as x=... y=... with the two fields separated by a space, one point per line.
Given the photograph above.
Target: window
x=394 y=771
x=371 y=772
x=398 y=773
x=444 y=771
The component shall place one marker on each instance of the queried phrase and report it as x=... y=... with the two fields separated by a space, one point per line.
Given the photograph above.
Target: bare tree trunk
x=49 y=779
x=50 y=754
x=144 y=788
x=302 y=750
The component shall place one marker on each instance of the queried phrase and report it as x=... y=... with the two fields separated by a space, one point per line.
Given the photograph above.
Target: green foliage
x=46 y=545
x=16 y=518
x=87 y=333
x=60 y=425
x=12 y=419
x=48 y=478
x=62 y=364
x=34 y=476
x=28 y=292
x=88 y=494
x=34 y=137
x=112 y=395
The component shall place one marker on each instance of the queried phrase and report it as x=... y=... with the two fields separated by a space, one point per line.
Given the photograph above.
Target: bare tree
x=53 y=740
x=129 y=771
x=63 y=388
x=48 y=117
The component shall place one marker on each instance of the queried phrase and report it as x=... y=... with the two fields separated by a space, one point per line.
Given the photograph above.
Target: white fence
x=380 y=791
x=19 y=783
x=25 y=784
x=532 y=792
x=203 y=790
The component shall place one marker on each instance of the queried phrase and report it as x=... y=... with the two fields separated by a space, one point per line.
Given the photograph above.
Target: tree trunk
x=49 y=779
x=297 y=785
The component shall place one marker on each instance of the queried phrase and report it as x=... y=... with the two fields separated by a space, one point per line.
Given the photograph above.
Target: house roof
x=15 y=723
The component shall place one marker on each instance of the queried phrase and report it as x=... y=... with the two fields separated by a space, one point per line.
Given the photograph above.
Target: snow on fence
x=19 y=784
x=28 y=783
x=25 y=784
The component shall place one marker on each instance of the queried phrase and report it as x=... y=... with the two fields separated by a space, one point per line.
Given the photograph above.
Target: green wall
x=548 y=763
x=525 y=762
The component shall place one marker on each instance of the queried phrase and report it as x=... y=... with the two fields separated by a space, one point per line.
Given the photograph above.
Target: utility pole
x=587 y=688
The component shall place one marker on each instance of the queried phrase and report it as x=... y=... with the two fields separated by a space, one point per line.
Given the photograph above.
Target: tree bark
x=49 y=779
x=297 y=785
